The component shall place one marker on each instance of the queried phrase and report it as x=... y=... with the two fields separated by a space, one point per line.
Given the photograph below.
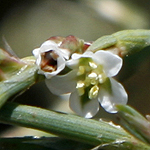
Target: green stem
x=70 y=126
x=23 y=79
x=123 y=43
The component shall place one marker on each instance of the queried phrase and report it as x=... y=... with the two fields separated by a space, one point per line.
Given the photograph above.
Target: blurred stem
x=70 y=126
x=42 y=143
x=134 y=122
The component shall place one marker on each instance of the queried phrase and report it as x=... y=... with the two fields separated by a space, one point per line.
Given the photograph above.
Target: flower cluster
x=89 y=79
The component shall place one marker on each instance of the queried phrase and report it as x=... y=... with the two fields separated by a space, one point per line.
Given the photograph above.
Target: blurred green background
x=27 y=24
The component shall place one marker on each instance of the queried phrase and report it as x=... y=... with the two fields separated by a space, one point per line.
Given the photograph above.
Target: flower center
x=49 y=61
x=90 y=76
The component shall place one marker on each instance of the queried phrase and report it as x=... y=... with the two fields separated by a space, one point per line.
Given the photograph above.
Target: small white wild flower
x=90 y=82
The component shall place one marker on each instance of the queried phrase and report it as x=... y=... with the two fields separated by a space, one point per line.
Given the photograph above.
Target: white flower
x=50 y=58
x=90 y=83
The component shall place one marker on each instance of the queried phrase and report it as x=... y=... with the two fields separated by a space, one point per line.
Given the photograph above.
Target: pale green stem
x=123 y=43
x=70 y=126
x=23 y=79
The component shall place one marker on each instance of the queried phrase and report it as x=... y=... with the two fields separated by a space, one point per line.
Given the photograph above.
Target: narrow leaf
x=72 y=127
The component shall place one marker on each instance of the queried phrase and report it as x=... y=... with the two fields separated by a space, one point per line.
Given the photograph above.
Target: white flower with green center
x=50 y=58
x=90 y=82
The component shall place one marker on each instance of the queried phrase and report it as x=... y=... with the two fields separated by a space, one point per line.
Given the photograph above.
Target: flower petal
x=36 y=52
x=50 y=45
x=47 y=46
x=109 y=99
x=62 y=84
x=88 y=110
x=111 y=62
x=86 y=54
x=73 y=63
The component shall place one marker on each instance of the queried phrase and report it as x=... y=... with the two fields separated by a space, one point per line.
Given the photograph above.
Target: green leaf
x=74 y=127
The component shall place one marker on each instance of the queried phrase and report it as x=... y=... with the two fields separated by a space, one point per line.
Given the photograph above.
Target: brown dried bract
x=49 y=61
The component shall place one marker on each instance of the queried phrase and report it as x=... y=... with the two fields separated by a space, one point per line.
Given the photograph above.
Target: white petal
x=50 y=45
x=111 y=62
x=47 y=46
x=86 y=54
x=36 y=52
x=73 y=64
x=108 y=100
x=62 y=84
x=88 y=110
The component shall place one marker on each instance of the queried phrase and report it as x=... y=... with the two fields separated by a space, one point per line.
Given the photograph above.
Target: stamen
x=93 y=92
x=93 y=65
x=93 y=78
x=92 y=75
x=80 y=84
x=80 y=87
x=81 y=70
x=102 y=78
